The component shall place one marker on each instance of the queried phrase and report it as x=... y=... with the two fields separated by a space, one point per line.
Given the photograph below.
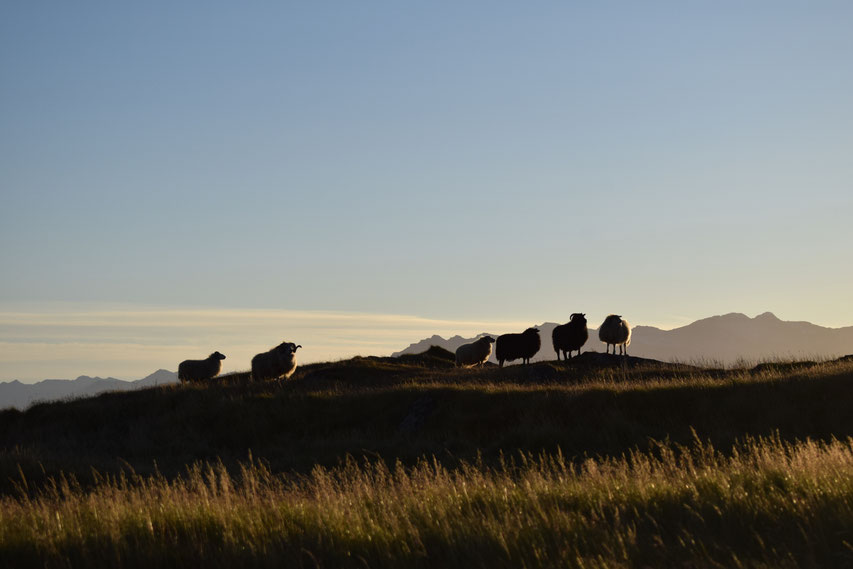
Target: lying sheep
x=571 y=336
x=279 y=362
x=200 y=370
x=615 y=331
x=476 y=353
x=517 y=346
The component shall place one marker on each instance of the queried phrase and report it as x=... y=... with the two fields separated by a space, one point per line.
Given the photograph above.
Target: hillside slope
x=384 y=407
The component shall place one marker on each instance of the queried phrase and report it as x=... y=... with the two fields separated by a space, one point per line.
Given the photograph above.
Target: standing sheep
x=614 y=330
x=200 y=370
x=571 y=336
x=476 y=353
x=517 y=346
x=279 y=362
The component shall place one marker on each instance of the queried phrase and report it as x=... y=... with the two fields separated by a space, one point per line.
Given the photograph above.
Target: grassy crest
x=560 y=465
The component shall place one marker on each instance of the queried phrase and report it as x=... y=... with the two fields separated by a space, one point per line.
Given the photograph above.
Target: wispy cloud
x=65 y=340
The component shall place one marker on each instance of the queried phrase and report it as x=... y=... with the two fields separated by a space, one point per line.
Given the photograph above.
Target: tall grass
x=765 y=503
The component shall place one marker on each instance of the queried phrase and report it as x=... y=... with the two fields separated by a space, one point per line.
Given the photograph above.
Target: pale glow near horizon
x=65 y=340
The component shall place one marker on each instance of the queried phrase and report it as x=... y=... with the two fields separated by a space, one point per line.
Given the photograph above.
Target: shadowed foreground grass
x=766 y=503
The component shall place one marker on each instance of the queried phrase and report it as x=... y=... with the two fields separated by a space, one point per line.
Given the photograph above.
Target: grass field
x=381 y=463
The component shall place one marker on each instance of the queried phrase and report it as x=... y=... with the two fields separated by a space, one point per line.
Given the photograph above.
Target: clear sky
x=450 y=164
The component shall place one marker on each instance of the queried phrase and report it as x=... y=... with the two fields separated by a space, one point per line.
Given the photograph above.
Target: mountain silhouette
x=22 y=395
x=718 y=340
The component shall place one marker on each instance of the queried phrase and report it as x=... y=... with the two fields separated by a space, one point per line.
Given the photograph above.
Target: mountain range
x=718 y=340
x=22 y=395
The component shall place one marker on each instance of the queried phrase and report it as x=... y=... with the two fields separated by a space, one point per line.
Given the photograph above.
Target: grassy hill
x=356 y=423
x=422 y=406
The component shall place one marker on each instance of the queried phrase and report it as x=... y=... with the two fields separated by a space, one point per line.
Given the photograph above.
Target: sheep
x=200 y=370
x=476 y=353
x=279 y=362
x=571 y=336
x=615 y=330
x=517 y=346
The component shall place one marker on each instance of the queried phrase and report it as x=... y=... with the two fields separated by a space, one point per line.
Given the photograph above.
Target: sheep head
x=216 y=356
x=287 y=348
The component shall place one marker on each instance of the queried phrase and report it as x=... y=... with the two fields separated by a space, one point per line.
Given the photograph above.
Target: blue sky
x=448 y=162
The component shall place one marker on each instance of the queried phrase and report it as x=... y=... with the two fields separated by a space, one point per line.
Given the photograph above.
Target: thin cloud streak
x=133 y=318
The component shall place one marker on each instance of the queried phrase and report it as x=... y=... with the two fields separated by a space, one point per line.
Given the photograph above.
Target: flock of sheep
x=566 y=338
x=277 y=363
x=280 y=362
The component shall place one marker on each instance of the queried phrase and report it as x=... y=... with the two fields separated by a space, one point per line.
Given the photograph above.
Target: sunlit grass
x=766 y=503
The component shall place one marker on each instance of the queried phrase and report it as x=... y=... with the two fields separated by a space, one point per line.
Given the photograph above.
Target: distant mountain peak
x=729 y=316
x=769 y=316
x=21 y=395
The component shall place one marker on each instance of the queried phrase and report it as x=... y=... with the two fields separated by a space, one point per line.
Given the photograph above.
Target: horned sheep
x=279 y=362
x=616 y=331
x=200 y=370
x=517 y=346
x=475 y=353
x=571 y=336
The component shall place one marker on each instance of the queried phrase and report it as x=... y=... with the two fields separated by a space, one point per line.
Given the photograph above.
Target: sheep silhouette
x=517 y=346
x=475 y=353
x=571 y=336
x=615 y=331
x=279 y=362
x=200 y=370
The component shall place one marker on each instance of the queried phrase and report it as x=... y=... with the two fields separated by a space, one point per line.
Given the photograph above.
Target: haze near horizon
x=458 y=163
